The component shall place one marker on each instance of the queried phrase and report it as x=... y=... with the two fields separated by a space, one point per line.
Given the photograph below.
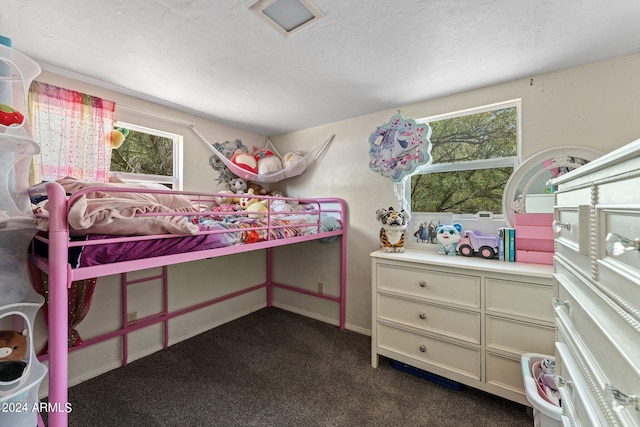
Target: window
x=474 y=153
x=148 y=156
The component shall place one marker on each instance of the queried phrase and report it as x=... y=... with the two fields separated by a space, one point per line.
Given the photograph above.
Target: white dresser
x=597 y=313
x=465 y=319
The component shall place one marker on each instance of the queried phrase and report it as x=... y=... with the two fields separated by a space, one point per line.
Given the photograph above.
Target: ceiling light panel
x=288 y=16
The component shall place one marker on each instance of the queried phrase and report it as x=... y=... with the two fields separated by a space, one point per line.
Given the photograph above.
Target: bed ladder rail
x=130 y=321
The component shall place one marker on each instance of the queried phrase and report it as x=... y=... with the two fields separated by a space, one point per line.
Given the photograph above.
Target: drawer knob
x=619 y=400
x=422 y=315
x=559 y=226
x=423 y=348
x=559 y=304
x=618 y=245
x=422 y=284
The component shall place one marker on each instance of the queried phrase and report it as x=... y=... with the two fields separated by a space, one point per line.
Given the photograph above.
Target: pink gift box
x=534 y=257
x=533 y=219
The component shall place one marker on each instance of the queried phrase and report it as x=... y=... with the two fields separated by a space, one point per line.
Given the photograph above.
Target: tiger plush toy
x=394 y=224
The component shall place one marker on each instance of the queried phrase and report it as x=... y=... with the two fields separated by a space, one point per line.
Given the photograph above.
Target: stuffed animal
x=291 y=159
x=244 y=160
x=268 y=163
x=13 y=345
x=238 y=185
x=224 y=204
x=118 y=135
x=282 y=207
x=257 y=188
x=13 y=352
x=256 y=206
x=9 y=116
x=448 y=236
x=394 y=224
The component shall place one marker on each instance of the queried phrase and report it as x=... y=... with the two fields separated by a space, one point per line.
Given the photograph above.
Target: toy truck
x=474 y=241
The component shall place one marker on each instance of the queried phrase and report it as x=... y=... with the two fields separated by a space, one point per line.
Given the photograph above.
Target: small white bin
x=545 y=414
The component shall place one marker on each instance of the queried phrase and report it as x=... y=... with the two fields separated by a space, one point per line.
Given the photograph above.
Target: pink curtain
x=73 y=130
x=74 y=133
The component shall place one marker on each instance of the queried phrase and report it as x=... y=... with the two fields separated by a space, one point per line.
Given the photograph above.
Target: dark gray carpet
x=275 y=368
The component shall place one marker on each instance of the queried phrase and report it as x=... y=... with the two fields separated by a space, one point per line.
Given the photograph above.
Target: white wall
x=595 y=106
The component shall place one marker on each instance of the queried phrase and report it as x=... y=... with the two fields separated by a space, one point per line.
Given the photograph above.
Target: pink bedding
x=99 y=216
x=114 y=213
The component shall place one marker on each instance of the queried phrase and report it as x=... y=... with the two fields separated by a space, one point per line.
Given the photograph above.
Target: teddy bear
x=224 y=204
x=257 y=188
x=448 y=236
x=13 y=351
x=268 y=163
x=392 y=233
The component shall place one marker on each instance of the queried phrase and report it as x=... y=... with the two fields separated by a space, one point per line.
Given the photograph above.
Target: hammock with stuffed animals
x=295 y=168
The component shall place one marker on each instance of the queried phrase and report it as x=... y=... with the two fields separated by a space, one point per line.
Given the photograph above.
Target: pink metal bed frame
x=61 y=274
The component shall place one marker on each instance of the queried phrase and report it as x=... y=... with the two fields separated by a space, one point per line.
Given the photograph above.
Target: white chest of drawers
x=598 y=310
x=465 y=319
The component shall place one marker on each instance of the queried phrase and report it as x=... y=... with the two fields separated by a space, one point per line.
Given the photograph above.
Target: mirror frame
x=560 y=156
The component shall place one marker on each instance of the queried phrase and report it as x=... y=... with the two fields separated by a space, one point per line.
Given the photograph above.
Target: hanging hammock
x=294 y=169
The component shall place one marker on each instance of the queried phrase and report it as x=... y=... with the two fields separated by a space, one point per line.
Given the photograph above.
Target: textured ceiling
x=219 y=60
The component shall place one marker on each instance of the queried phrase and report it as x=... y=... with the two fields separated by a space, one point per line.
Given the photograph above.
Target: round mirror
x=527 y=189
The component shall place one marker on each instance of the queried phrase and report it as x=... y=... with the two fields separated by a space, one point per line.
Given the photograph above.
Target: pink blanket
x=105 y=212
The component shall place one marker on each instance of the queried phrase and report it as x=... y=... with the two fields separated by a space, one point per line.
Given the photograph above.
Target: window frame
x=177 y=180
x=511 y=161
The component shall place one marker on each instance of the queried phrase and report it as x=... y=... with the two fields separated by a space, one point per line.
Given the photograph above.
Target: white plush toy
x=268 y=163
x=291 y=159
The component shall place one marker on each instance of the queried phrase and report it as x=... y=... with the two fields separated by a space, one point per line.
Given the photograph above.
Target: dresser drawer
x=573 y=197
x=609 y=339
x=434 y=285
x=580 y=406
x=618 y=260
x=443 y=354
x=505 y=372
x=519 y=298
x=620 y=191
x=461 y=324
x=572 y=229
x=518 y=337
x=587 y=399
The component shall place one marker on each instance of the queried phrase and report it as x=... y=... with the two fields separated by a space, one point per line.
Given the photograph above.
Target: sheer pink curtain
x=73 y=130
x=74 y=133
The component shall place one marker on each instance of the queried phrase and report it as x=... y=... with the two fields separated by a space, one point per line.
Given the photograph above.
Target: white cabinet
x=465 y=319
x=597 y=313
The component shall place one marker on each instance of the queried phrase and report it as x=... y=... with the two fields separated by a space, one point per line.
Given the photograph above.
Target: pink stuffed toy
x=245 y=161
x=224 y=205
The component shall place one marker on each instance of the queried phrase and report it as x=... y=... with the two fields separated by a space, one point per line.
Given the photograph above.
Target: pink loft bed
x=169 y=228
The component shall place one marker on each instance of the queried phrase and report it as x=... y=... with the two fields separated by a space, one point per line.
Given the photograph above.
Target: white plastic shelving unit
x=19 y=304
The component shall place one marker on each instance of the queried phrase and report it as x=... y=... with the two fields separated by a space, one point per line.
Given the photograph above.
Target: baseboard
x=322 y=318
